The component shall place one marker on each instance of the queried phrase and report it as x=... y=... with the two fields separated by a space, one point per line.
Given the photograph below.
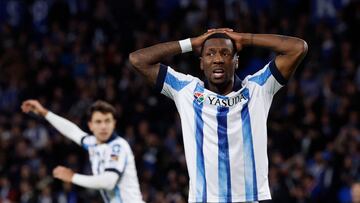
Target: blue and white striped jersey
x=225 y=137
x=114 y=155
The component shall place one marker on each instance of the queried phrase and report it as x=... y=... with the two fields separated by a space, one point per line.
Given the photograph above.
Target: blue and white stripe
x=249 y=160
x=225 y=145
x=223 y=155
x=199 y=136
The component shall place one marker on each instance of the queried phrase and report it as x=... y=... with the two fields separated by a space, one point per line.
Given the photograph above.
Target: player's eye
x=226 y=54
x=210 y=54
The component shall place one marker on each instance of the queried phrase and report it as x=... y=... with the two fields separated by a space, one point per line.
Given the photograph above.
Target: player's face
x=102 y=125
x=218 y=61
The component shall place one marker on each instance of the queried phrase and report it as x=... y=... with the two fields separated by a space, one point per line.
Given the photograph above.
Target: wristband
x=185 y=45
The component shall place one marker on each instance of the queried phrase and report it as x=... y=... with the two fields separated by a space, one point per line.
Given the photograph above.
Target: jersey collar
x=237 y=83
x=236 y=87
x=113 y=136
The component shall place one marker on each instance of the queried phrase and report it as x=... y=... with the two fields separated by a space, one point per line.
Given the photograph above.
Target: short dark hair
x=102 y=107
x=221 y=36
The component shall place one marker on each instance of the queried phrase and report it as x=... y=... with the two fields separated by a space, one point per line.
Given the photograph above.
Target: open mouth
x=218 y=73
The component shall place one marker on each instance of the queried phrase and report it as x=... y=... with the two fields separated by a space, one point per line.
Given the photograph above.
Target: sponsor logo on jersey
x=225 y=101
x=199 y=97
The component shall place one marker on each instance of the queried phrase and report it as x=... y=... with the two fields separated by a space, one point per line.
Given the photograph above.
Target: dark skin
x=218 y=61
x=290 y=52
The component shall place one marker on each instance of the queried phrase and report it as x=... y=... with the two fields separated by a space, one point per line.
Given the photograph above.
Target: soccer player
x=223 y=118
x=112 y=160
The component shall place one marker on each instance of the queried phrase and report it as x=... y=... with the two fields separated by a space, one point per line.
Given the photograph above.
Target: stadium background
x=68 y=53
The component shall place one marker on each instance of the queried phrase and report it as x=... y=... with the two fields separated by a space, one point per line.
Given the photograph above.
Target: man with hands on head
x=224 y=119
x=112 y=161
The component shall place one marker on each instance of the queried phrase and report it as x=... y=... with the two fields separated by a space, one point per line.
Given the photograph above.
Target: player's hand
x=224 y=29
x=239 y=38
x=63 y=173
x=197 y=42
x=34 y=106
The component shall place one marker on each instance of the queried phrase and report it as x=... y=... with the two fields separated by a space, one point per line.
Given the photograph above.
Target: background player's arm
x=290 y=50
x=64 y=126
x=147 y=60
x=107 y=180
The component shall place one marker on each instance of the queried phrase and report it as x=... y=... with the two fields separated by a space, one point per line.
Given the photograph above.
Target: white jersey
x=115 y=156
x=225 y=137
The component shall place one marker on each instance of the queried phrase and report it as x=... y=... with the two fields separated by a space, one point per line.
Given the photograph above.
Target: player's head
x=219 y=59
x=101 y=120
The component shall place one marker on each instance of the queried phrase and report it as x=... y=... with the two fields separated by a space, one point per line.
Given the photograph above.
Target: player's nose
x=218 y=59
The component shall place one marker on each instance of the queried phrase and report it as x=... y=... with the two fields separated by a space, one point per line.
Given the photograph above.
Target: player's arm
x=107 y=180
x=290 y=50
x=147 y=60
x=64 y=126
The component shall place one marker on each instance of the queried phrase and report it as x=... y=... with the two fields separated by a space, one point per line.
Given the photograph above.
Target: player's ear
x=201 y=64
x=236 y=61
x=90 y=125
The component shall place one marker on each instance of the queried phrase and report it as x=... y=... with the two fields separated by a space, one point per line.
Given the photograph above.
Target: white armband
x=185 y=45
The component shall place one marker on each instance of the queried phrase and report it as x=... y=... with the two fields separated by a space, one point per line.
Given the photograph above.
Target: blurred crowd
x=69 y=53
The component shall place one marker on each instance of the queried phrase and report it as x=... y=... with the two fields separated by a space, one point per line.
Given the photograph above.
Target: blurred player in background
x=223 y=118
x=112 y=161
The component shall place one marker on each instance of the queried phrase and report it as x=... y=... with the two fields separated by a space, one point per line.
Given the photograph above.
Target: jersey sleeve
x=117 y=159
x=105 y=180
x=87 y=141
x=66 y=127
x=268 y=78
x=170 y=82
